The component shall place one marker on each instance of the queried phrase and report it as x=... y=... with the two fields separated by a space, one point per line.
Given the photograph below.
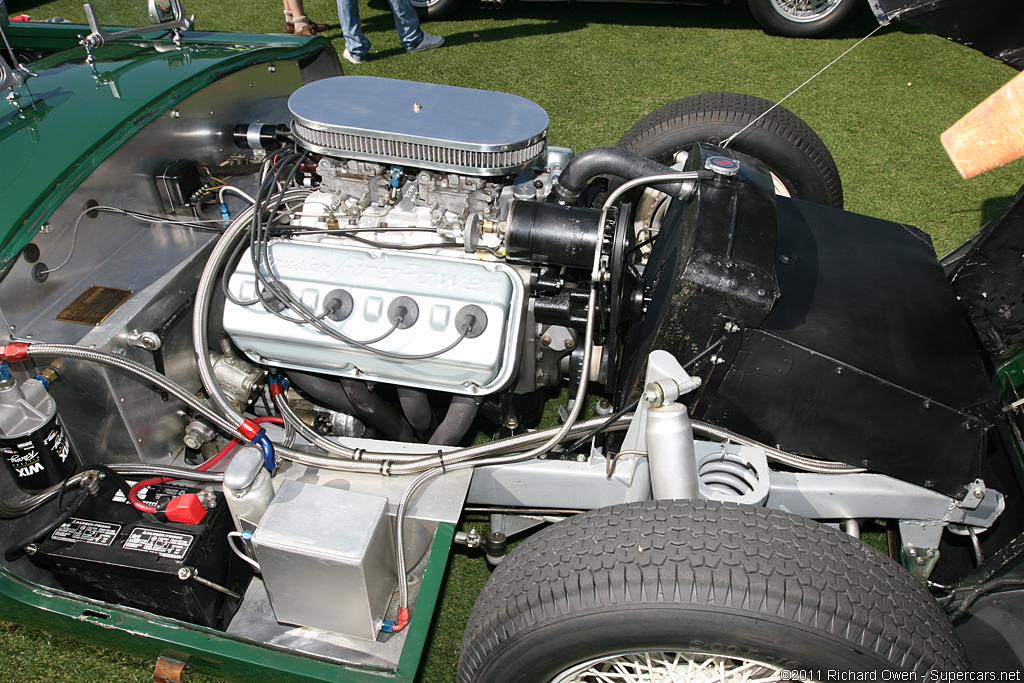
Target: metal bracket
x=976 y=492
x=666 y=381
x=99 y=36
x=168 y=670
x=920 y=561
x=920 y=545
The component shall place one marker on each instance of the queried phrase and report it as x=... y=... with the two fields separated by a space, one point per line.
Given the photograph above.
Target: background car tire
x=801 y=18
x=787 y=145
x=736 y=583
x=436 y=10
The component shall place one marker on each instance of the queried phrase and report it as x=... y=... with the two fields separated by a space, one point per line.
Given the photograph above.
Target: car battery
x=108 y=550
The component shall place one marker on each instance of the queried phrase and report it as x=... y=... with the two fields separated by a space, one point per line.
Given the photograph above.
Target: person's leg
x=301 y=24
x=356 y=41
x=407 y=23
x=289 y=26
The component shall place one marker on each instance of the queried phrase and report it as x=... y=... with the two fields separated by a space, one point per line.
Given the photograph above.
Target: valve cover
x=441 y=288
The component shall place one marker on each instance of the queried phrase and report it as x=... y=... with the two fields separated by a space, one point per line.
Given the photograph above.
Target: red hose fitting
x=15 y=352
x=403 y=618
x=249 y=429
x=276 y=389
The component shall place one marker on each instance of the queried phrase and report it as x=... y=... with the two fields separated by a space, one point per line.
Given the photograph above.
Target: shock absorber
x=34 y=445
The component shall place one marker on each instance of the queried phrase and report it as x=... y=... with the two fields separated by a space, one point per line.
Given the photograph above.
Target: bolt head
x=184 y=573
x=978 y=493
x=920 y=561
x=581 y=457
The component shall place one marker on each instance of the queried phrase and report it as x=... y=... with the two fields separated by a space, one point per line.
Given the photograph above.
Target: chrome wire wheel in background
x=670 y=667
x=805 y=10
x=801 y=18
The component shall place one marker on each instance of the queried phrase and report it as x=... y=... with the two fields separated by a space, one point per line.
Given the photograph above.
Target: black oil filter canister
x=34 y=445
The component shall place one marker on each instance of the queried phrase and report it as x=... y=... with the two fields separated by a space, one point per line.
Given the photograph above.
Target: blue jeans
x=406 y=23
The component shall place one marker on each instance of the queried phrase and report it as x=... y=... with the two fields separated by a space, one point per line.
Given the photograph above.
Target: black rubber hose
x=617 y=162
x=416 y=407
x=456 y=422
x=377 y=412
x=324 y=390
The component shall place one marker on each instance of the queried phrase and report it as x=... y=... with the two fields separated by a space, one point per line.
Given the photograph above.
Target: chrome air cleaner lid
x=437 y=127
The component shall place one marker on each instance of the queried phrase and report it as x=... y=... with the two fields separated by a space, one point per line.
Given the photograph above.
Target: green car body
x=59 y=127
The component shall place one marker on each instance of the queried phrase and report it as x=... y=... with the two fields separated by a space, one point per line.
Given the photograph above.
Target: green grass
x=597 y=68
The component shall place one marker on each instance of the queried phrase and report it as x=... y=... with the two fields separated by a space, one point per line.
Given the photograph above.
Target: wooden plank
x=991 y=134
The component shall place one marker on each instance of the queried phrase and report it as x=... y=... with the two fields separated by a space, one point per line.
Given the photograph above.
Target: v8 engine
x=410 y=260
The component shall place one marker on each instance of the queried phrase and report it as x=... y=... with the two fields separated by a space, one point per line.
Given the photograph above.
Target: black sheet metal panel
x=713 y=263
x=866 y=358
x=994 y=27
x=987 y=273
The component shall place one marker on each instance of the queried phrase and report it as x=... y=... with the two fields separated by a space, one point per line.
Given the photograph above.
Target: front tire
x=801 y=18
x=660 y=584
x=790 y=148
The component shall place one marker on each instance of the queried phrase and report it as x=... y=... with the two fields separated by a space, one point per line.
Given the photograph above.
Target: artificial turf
x=596 y=69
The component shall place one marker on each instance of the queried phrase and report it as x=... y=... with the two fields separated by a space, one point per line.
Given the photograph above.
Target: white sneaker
x=429 y=42
x=352 y=58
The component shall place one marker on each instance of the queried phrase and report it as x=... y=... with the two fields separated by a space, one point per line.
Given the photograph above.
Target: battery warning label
x=158 y=542
x=86 y=531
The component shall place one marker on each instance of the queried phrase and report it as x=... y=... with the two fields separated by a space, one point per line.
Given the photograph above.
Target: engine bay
x=256 y=390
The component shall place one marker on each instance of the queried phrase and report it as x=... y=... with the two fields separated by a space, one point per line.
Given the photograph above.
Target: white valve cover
x=440 y=287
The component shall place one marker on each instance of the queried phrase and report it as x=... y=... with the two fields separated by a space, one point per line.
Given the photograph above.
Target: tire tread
x=724 y=556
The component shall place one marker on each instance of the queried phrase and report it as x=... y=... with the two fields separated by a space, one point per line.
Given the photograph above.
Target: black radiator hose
x=377 y=412
x=617 y=162
x=353 y=397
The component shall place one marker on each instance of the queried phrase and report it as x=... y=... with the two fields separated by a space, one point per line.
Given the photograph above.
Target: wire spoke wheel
x=801 y=18
x=805 y=10
x=670 y=667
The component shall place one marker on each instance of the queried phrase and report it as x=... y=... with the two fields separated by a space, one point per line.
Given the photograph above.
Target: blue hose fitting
x=263 y=441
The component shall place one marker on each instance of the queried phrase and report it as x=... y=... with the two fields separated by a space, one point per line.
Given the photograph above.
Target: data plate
x=92 y=306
